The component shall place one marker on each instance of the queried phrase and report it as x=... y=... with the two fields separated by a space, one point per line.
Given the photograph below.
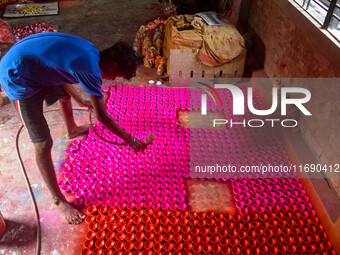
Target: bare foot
x=79 y=130
x=69 y=213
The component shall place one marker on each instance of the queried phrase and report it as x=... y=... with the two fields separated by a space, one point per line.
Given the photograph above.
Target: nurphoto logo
x=239 y=105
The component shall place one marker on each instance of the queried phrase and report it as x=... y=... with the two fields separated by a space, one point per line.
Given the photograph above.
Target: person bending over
x=43 y=67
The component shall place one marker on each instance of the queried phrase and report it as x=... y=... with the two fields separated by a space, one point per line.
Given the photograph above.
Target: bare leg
x=45 y=165
x=73 y=130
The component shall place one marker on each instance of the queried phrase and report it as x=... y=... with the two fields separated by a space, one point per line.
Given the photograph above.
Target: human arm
x=75 y=95
x=111 y=125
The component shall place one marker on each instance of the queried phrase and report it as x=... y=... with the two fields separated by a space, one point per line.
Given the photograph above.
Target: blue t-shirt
x=50 y=59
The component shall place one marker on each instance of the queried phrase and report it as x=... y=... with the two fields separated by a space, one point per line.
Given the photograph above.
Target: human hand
x=136 y=144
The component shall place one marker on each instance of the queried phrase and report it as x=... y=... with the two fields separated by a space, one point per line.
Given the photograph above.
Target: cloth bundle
x=149 y=40
x=217 y=45
x=6 y=33
x=6 y=39
x=221 y=44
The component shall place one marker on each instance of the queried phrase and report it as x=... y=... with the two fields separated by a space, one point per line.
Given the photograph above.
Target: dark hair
x=123 y=55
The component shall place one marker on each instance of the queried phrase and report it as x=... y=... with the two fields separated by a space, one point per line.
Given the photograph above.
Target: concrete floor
x=102 y=22
x=106 y=21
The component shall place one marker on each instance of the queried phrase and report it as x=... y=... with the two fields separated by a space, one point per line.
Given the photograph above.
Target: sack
x=6 y=35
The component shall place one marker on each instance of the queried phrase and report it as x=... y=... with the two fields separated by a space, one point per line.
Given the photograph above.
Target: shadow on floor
x=18 y=234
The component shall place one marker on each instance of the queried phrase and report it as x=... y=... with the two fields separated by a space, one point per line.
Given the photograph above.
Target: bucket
x=2 y=224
